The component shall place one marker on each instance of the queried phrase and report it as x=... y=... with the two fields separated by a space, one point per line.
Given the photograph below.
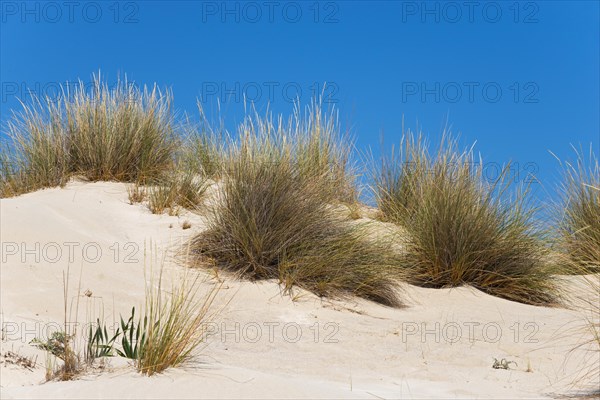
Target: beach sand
x=443 y=344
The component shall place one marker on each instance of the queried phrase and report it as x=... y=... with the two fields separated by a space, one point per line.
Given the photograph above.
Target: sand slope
x=264 y=345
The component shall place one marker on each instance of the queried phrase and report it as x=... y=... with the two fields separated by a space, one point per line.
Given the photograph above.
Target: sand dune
x=264 y=345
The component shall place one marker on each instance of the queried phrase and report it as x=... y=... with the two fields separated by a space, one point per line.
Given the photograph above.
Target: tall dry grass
x=322 y=150
x=177 y=190
x=311 y=141
x=462 y=229
x=123 y=133
x=175 y=323
x=272 y=220
x=203 y=148
x=578 y=213
x=37 y=152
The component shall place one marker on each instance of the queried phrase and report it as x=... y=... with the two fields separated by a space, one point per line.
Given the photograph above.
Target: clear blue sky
x=518 y=78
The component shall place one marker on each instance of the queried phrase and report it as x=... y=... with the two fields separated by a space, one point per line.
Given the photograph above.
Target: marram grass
x=578 y=213
x=175 y=191
x=271 y=222
x=461 y=229
x=175 y=323
x=122 y=133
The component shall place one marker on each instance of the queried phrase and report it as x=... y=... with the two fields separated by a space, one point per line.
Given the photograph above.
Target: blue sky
x=520 y=78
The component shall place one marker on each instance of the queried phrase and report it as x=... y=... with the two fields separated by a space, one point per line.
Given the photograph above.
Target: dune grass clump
x=36 y=153
x=174 y=324
x=122 y=133
x=271 y=222
x=578 y=214
x=175 y=191
x=136 y=193
x=462 y=229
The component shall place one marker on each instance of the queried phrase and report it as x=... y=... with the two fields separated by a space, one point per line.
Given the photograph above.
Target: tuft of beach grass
x=123 y=133
x=273 y=220
x=460 y=228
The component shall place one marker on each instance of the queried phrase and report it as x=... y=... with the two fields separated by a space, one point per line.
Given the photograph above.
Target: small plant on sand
x=60 y=345
x=462 y=229
x=55 y=345
x=578 y=214
x=136 y=193
x=28 y=363
x=174 y=324
x=162 y=197
x=503 y=363
x=184 y=189
x=133 y=336
x=271 y=222
x=99 y=343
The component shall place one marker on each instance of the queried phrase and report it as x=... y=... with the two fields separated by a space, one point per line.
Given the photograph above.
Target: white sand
x=442 y=345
